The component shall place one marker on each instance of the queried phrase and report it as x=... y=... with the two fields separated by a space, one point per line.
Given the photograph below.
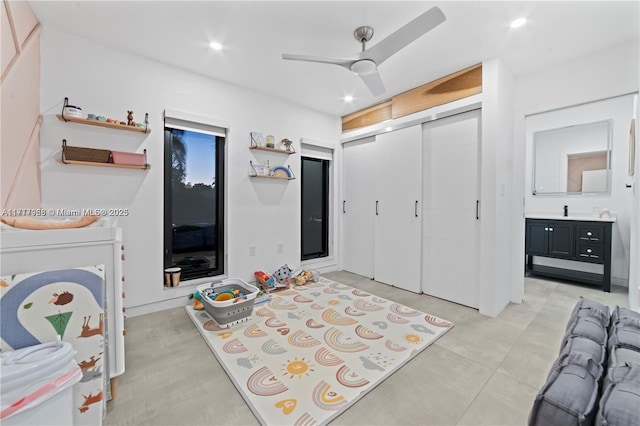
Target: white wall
x=598 y=76
x=496 y=188
x=260 y=212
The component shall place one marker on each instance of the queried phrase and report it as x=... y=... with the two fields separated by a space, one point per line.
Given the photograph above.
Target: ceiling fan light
x=364 y=66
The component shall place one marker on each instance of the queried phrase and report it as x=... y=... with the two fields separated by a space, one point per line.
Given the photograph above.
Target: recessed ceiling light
x=348 y=98
x=518 y=22
x=215 y=45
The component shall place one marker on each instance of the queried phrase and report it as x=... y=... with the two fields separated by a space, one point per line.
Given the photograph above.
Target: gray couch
x=596 y=378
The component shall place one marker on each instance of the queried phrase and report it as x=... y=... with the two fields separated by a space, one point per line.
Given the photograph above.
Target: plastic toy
x=197 y=301
x=283 y=275
x=265 y=279
x=303 y=276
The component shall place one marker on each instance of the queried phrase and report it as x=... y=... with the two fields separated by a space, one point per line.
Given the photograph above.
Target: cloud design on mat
x=370 y=365
x=421 y=328
x=327 y=399
x=264 y=383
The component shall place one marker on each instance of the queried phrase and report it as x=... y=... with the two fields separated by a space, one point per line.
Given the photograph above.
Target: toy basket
x=76 y=153
x=233 y=311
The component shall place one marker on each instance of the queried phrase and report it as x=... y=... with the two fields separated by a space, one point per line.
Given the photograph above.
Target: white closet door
x=398 y=221
x=450 y=190
x=358 y=207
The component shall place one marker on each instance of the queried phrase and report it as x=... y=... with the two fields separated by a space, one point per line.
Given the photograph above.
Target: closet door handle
x=415 y=209
x=343 y=204
x=477 y=209
x=376 y=207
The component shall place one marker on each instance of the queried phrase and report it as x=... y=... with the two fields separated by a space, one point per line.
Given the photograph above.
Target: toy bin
x=129 y=158
x=231 y=311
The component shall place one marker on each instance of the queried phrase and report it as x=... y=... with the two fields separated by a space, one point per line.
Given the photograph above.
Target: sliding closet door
x=398 y=177
x=358 y=207
x=450 y=191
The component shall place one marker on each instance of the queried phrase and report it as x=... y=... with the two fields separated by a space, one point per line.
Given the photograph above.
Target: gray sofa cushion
x=621 y=356
x=570 y=396
x=589 y=327
x=623 y=313
x=625 y=332
x=590 y=308
x=583 y=344
x=620 y=402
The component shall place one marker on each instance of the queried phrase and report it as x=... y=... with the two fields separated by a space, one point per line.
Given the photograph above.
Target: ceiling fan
x=365 y=64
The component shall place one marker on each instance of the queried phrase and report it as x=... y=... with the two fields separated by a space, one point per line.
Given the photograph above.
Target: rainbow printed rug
x=312 y=351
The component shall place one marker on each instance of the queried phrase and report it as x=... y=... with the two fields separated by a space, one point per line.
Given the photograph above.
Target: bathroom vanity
x=574 y=238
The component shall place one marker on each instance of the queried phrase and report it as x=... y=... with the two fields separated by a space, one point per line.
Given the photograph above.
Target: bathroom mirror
x=573 y=160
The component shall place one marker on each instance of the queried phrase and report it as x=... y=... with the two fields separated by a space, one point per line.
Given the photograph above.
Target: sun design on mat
x=333 y=302
x=412 y=338
x=297 y=367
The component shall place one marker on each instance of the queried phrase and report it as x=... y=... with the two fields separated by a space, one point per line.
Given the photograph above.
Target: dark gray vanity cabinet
x=576 y=240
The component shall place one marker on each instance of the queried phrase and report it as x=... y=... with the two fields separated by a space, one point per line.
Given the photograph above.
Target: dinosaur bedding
x=35 y=307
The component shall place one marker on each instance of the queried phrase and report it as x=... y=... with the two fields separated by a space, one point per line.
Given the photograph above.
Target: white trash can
x=36 y=385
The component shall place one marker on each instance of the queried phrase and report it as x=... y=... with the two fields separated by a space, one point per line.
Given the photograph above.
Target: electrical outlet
x=280 y=248
x=252 y=250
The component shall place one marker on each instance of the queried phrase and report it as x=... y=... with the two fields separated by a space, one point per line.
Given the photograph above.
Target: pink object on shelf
x=128 y=158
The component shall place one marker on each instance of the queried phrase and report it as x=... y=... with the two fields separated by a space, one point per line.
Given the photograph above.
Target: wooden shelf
x=271 y=177
x=276 y=150
x=97 y=123
x=91 y=163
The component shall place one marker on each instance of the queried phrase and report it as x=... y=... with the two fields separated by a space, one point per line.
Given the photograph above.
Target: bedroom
x=113 y=75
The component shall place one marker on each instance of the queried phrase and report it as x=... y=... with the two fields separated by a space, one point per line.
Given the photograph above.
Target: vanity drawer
x=590 y=232
x=590 y=252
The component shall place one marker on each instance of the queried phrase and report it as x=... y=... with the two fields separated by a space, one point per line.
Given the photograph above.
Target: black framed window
x=193 y=200
x=315 y=208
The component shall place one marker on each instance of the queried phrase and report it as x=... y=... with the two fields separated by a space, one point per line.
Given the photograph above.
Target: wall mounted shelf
x=271 y=177
x=91 y=163
x=98 y=123
x=276 y=150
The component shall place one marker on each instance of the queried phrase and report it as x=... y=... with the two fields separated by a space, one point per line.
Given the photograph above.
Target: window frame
x=326 y=224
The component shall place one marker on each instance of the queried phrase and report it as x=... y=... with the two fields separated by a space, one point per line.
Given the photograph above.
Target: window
x=315 y=208
x=193 y=198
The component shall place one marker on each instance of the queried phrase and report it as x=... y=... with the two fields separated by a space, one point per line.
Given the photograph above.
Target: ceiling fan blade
x=343 y=62
x=404 y=35
x=373 y=82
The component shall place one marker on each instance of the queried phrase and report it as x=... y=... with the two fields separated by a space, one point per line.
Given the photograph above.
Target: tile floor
x=485 y=371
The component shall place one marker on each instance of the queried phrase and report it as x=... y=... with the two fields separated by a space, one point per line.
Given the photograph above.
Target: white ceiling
x=256 y=33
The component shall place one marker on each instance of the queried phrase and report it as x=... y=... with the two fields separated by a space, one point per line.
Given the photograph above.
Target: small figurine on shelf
x=270 y=141
x=288 y=145
x=130 y=119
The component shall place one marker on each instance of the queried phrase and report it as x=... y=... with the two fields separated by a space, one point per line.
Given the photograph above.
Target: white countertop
x=573 y=216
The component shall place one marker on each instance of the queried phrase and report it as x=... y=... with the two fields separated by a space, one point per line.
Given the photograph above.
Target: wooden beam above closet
x=452 y=87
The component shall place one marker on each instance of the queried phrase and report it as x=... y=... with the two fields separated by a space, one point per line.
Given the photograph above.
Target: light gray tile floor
x=485 y=371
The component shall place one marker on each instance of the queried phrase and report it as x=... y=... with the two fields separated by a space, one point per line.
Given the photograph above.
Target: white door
x=358 y=207
x=450 y=193
x=398 y=178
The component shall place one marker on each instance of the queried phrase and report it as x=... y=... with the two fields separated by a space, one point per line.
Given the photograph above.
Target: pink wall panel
x=8 y=46
x=20 y=106
x=24 y=20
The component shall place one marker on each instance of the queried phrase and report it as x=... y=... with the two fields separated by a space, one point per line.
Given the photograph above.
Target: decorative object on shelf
x=258 y=169
x=271 y=141
x=130 y=118
x=288 y=145
x=282 y=172
x=257 y=140
x=101 y=121
x=279 y=172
